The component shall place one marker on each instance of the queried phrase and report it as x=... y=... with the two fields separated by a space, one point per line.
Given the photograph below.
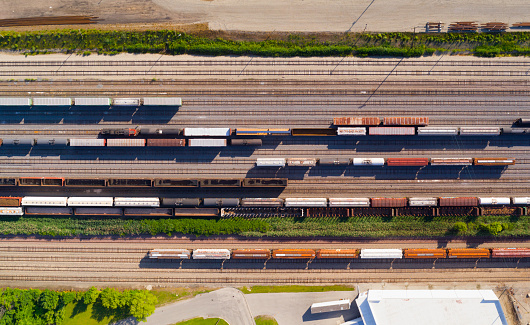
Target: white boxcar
x=87 y=142
x=423 y=201
x=306 y=202
x=136 y=202
x=125 y=142
x=11 y=211
x=368 y=161
x=162 y=101
x=170 y=253
x=211 y=254
x=484 y=130
x=52 y=101
x=58 y=201
x=351 y=131
x=494 y=200
x=328 y=306
x=451 y=161
x=126 y=102
x=207 y=132
x=349 y=202
x=441 y=131
x=521 y=200
x=381 y=253
x=207 y=143
x=90 y=201
x=301 y=162
x=92 y=101
x=15 y=101
x=270 y=162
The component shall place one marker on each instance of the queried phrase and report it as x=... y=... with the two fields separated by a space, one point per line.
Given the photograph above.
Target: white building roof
x=433 y=307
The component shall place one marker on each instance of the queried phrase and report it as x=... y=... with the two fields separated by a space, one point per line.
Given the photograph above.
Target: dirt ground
x=280 y=15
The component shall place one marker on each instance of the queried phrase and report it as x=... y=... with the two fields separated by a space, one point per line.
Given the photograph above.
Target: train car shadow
x=145 y=114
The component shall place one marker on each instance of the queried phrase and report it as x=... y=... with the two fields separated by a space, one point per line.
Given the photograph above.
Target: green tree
x=49 y=299
x=460 y=227
x=142 y=304
x=91 y=296
x=112 y=298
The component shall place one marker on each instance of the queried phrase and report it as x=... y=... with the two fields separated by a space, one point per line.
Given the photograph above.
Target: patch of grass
x=294 y=288
x=169 y=295
x=265 y=320
x=202 y=321
x=93 y=314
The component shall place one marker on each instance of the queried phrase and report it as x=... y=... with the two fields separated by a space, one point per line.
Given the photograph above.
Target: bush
x=460 y=227
x=493 y=228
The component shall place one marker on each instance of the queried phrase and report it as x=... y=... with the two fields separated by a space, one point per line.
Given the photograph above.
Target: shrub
x=460 y=227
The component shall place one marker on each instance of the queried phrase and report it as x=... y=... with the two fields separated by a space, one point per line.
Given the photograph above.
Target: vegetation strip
x=294 y=288
x=281 y=45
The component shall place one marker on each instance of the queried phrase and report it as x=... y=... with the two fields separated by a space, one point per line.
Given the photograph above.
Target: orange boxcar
x=356 y=121
x=338 y=253
x=468 y=252
x=10 y=201
x=407 y=161
x=406 y=121
x=425 y=253
x=293 y=253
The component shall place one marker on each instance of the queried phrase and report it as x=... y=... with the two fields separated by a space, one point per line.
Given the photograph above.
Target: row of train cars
x=309 y=254
x=231 y=207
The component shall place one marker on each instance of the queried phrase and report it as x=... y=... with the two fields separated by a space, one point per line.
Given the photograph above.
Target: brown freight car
x=423 y=121
x=251 y=254
x=407 y=161
x=166 y=142
x=293 y=253
x=383 y=202
x=458 y=201
x=510 y=252
x=468 y=252
x=424 y=253
x=356 y=121
x=10 y=201
x=338 y=253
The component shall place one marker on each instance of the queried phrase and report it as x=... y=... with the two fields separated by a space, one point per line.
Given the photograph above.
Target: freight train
x=90 y=101
x=309 y=254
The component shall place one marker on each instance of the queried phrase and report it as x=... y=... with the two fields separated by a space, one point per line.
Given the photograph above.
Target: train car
x=438 y=131
x=51 y=142
x=368 y=161
x=510 y=252
x=220 y=182
x=129 y=182
x=480 y=131
x=87 y=142
x=158 y=182
x=211 y=254
x=85 y=182
x=306 y=202
x=494 y=200
x=493 y=161
x=451 y=161
x=334 y=161
x=458 y=201
x=10 y=201
x=92 y=101
x=397 y=131
x=98 y=211
x=270 y=162
x=119 y=132
x=523 y=121
x=207 y=132
x=162 y=101
x=351 y=131
x=221 y=202
x=252 y=131
x=422 y=121
x=246 y=142
x=376 y=253
x=44 y=201
x=349 y=202
x=49 y=211
x=166 y=142
x=251 y=254
x=170 y=253
x=125 y=142
x=180 y=202
x=265 y=182
x=25 y=142
x=279 y=132
x=423 y=201
x=148 y=212
x=8 y=181
x=207 y=143
x=196 y=212
x=468 y=252
x=383 y=202
x=154 y=131
x=516 y=131
x=407 y=162
x=29 y=181
x=521 y=200
x=313 y=132
x=15 y=101
x=356 y=121
x=338 y=253
x=135 y=102
x=11 y=211
x=425 y=253
x=261 y=202
x=301 y=162
x=52 y=101
x=90 y=201
x=293 y=253
x=137 y=202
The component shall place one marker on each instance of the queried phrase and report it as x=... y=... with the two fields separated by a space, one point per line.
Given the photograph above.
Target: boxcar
x=252 y=131
x=376 y=253
x=11 y=211
x=406 y=121
x=90 y=201
x=510 y=252
x=176 y=182
x=148 y=212
x=261 y=202
x=92 y=101
x=306 y=202
x=52 y=101
x=334 y=161
x=313 y=132
x=180 y=202
x=383 y=130
x=279 y=131
x=98 y=211
x=211 y=254
x=356 y=121
x=126 y=102
x=521 y=200
x=207 y=132
x=49 y=211
x=382 y=202
x=407 y=162
x=125 y=142
x=423 y=201
x=166 y=142
x=44 y=201
x=338 y=253
x=15 y=101
x=87 y=142
x=293 y=253
x=468 y=252
x=458 y=201
x=10 y=201
x=368 y=161
x=170 y=253
x=251 y=254
x=351 y=131
x=246 y=142
x=207 y=143
x=494 y=161
x=218 y=202
x=301 y=162
x=451 y=161
x=196 y=212
x=265 y=182
x=438 y=131
x=129 y=182
x=162 y=101
x=136 y=202
x=480 y=131
x=349 y=202
x=425 y=253
x=494 y=200
x=153 y=131
x=270 y=162
x=220 y=182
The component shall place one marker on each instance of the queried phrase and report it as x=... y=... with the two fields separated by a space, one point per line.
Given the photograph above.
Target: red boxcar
x=458 y=201
x=510 y=252
x=383 y=202
x=166 y=142
x=251 y=253
x=356 y=121
x=406 y=121
x=407 y=161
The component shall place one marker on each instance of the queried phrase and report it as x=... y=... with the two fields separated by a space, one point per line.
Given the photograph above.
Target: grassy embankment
x=294 y=288
x=266 y=44
x=484 y=226
x=203 y=321
x=265 y=320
